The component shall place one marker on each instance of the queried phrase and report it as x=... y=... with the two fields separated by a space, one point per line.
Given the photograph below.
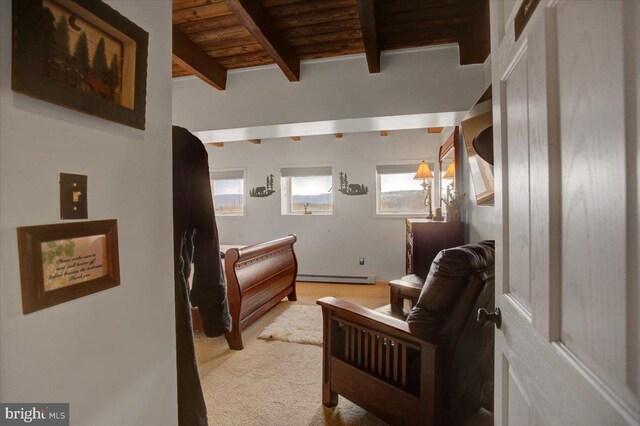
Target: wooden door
x=565 y=101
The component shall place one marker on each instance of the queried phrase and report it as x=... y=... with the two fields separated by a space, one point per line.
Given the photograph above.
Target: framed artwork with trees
x=83 y=55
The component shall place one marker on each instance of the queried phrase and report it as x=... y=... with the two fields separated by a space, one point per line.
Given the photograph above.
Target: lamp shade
x=424 y=172
x=451 y=171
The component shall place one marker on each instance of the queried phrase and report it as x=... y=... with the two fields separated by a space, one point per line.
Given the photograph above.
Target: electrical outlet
x=362 y=260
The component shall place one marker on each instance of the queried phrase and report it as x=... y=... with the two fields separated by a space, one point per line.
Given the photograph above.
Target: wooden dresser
x=425 y=239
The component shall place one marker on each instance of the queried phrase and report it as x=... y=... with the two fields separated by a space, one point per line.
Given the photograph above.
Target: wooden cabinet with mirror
x=450 y=173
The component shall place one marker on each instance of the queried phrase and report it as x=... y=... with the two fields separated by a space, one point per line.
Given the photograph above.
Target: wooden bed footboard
x=258 y=277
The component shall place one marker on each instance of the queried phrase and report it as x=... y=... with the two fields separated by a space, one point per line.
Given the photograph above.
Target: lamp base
x=427 y=203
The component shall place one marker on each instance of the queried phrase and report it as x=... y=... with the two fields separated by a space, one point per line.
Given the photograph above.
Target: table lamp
x=450 y=174
x=424 y=173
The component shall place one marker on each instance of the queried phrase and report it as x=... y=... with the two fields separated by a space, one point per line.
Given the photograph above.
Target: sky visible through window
x=399 y=182
x=228 y=186
x=315 y=190
x=400 y=194
x=310 y=185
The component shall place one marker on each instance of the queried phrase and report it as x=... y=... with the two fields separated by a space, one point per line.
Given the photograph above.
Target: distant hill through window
x=228 y=196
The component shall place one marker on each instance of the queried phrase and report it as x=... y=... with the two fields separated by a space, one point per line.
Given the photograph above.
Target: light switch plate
x=73 y=196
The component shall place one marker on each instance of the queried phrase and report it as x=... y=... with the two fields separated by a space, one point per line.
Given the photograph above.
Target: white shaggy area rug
x=298 y=324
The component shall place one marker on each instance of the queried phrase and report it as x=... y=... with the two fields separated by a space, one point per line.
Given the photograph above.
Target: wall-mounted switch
x=73 y=196
x=362 y=260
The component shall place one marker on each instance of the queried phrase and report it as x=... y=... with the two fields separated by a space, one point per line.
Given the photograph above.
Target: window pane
x=228 y=196
x=447 y=191
x=315 y=190
x=400 y=193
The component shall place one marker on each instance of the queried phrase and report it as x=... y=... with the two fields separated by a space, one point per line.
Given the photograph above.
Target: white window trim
x=403 y=215
x=285 y=199
x=245 y=193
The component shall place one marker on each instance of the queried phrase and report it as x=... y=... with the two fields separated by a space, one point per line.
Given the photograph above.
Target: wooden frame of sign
x=66 y=261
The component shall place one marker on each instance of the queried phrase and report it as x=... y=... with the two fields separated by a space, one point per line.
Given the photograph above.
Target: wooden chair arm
x=373 y=320
x=400 y=290
x=405 y=285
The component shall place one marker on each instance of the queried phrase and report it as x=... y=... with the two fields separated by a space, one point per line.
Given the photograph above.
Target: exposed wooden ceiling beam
x=255 y=17
x=255 y=141
x=295 y=138
x=216 y=144
x=384 y=133
x=475 y=40
x=338 y=135
x=197 y=10
x=435 y=129
x=369 y=34
x=192 y=58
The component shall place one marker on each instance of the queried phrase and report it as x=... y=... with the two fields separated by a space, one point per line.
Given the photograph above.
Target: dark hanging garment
x=195 y=240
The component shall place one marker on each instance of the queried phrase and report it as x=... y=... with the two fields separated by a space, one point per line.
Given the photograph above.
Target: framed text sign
x=66 y=261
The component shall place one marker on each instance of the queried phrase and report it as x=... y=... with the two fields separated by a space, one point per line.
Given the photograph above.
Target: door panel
x=518 y=178
x=566 y=149
x=519 y=406
x=591 y=83
x=544 y=166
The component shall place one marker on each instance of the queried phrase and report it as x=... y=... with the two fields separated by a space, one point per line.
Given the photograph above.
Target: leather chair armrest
x=373 y=320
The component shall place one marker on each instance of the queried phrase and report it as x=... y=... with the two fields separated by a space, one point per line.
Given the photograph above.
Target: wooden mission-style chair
x=432 y=365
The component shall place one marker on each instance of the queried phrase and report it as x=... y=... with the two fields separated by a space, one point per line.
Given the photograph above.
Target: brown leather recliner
x=433 y=367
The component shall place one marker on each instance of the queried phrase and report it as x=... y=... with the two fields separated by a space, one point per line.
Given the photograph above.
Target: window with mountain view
x=398 y=193
x=228 y=192
x=307 y=190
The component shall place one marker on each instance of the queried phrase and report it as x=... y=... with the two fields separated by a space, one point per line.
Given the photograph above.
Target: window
x=447 y=177
x=228 y=192
x=397 y=193
x=307 y=190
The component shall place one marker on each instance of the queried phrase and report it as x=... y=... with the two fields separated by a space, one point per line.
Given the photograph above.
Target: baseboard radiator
x=338 y=279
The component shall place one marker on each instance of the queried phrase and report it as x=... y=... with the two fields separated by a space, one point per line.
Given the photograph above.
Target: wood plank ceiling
x=247 y=33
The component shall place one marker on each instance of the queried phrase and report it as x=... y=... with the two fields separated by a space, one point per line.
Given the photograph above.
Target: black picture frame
x=28 y=75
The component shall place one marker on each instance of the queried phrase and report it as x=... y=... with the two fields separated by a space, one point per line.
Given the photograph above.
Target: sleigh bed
x=258 y=277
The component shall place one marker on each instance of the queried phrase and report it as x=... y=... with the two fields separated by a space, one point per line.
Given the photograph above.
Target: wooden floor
x=368 y=295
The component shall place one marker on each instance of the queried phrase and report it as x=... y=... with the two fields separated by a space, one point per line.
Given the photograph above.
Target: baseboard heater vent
x=340 y=279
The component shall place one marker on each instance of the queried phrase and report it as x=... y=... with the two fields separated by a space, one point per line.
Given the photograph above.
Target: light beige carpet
x=273 y=382
x=298 y=324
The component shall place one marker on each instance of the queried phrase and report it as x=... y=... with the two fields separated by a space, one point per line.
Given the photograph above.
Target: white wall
x=326 y=244
x=111 y=354
x=411 y=82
